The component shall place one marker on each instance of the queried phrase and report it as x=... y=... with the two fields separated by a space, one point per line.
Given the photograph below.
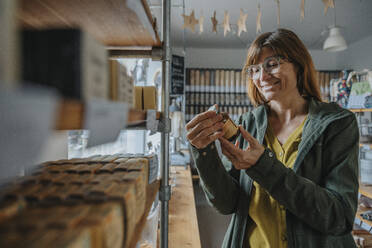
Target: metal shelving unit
x=121 y=41
x=165 y=190
x=165 y=55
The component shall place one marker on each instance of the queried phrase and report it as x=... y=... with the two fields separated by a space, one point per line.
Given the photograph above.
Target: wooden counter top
x=183 y=223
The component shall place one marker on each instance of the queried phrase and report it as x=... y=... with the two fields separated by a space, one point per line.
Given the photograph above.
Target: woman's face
x=279 y=84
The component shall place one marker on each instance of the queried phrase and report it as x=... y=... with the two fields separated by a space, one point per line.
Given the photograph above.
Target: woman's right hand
x=204 y=129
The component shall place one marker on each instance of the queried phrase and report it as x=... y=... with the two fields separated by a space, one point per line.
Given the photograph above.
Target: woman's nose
x=264 y=75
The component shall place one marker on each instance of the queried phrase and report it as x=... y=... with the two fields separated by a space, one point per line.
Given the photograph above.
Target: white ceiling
x=354 y=16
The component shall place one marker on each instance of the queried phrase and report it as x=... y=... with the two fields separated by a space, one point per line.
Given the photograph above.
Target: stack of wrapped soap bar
x=90 y=202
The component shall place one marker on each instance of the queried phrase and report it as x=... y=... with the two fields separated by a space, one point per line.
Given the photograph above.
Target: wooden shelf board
x=111 y=22
x=360 y=110
x=71 y=115
x=365 y=190
x=364 y=145
x=183 y=222
x=151 y=191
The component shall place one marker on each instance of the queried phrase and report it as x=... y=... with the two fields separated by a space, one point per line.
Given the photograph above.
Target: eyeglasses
x=270 y=65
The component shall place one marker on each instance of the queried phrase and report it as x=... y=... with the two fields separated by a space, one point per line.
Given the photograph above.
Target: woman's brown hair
x=287 y=44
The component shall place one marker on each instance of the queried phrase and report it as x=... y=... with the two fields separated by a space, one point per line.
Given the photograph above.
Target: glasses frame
x=279 y=59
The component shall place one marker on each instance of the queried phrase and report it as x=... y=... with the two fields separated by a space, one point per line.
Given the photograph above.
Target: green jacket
x=319 y=194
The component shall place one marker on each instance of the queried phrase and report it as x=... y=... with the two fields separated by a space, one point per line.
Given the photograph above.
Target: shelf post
x=164 y=157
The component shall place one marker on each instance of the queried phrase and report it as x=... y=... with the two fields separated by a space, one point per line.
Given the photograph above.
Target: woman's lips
x=268 y=86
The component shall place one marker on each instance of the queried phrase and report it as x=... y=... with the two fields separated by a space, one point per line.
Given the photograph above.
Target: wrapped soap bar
x=69 y=218
x=121 y=159
x=102 y=188
x=81 y=192
x=10 y=207
x=62 y=193
x=91 y=168
x=107 y=168
x=106 y=223
x=125 y=193
x=83 y=179
x=140 y=183
x=138 y=164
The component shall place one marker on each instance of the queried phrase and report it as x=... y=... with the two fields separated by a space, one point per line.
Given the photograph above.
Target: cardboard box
x=121 y=83
x=145 y=97
x=68 y=60
x=138 y=98
x=149 y=97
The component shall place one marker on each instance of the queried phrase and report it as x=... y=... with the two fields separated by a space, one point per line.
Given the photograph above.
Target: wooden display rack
x=118 y=25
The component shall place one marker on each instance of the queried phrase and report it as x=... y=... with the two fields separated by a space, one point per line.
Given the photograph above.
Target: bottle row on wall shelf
x=219 y=98
x=225 y=87
x=234 y=110
x=217 y=89
x=216 y=80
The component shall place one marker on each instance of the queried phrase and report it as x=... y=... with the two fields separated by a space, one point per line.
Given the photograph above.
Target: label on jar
x=230 y=129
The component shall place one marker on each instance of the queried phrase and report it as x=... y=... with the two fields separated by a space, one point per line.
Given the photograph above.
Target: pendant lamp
x=335 y=41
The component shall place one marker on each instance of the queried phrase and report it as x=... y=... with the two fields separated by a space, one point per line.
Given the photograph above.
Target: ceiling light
x=335 y=42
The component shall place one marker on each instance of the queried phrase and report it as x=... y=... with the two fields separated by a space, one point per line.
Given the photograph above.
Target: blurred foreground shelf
x=151 y=191
x=71 y=116
x=115 y=23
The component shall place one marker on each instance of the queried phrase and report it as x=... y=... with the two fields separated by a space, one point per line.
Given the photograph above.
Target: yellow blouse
x=269 y=227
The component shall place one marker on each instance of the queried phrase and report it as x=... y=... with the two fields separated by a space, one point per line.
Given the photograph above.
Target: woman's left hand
x=242 y=159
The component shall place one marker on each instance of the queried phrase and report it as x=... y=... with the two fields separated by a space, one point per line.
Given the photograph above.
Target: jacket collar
x=320 y=116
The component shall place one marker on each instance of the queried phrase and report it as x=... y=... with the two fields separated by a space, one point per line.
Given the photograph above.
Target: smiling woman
x=290 y=177
x=286 y=45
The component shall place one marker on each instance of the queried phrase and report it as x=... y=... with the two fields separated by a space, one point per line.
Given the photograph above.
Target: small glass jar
x=230 y=128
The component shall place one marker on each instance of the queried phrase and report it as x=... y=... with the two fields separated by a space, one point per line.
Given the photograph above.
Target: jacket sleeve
x=219 y=178
x=220 y=183
x=329 y=208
